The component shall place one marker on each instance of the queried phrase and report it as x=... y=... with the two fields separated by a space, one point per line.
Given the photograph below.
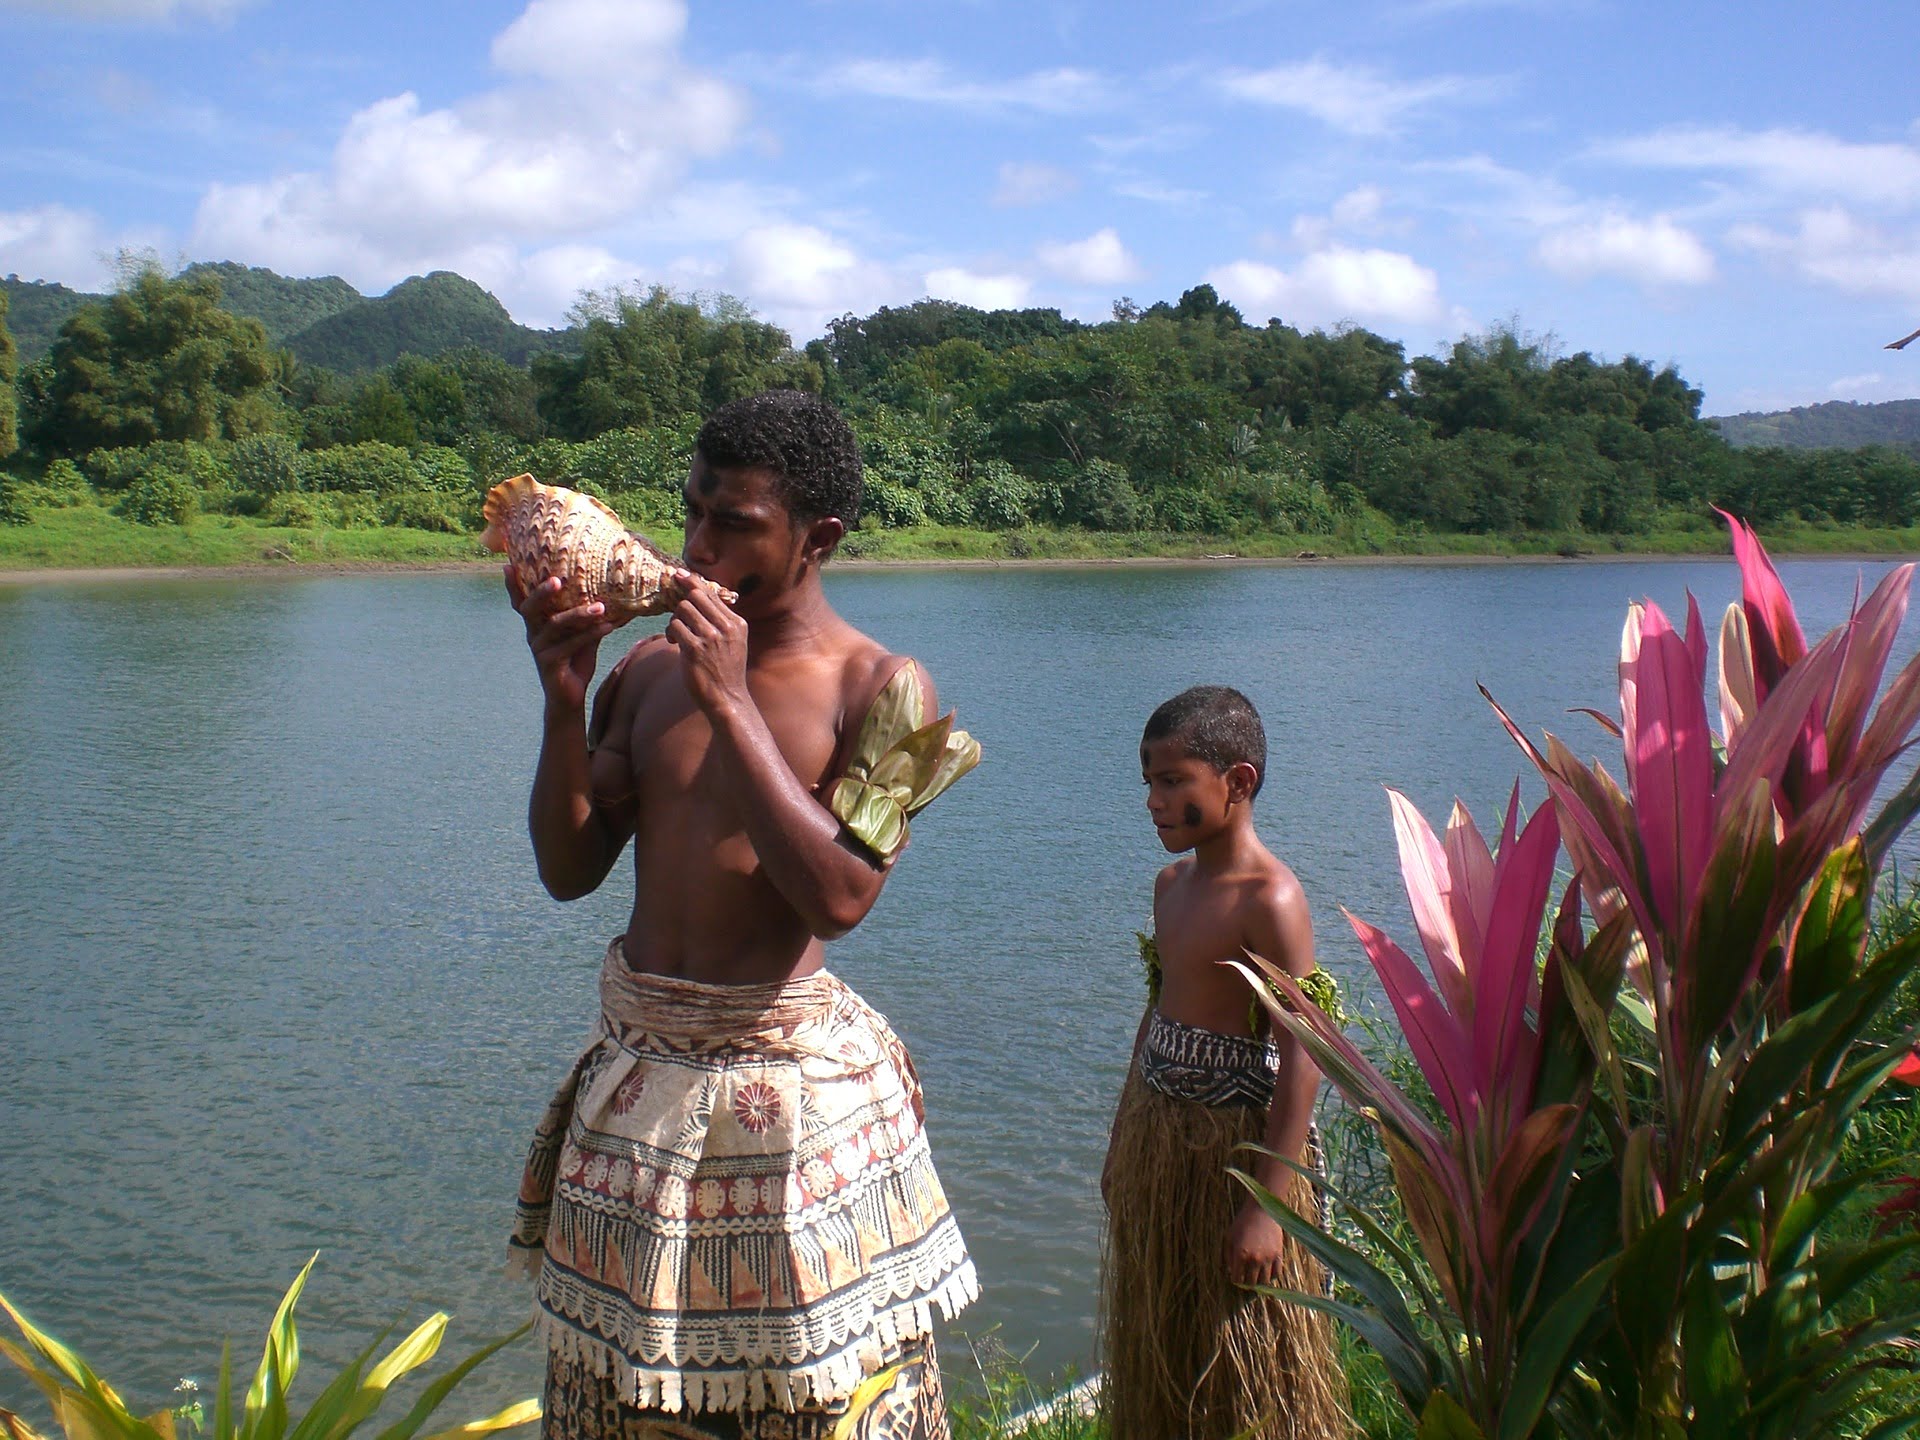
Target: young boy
x=1189 y=1353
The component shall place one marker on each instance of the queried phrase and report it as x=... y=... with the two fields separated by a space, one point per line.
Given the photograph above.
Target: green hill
x=36 y=309
x=1836 y=425
x=285 y=306
x=324 y=321
x=425 y=315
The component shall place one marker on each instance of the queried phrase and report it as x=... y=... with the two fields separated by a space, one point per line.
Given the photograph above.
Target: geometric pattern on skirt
x=1206 y=1067
x=730 y=1202
x=580 y=1405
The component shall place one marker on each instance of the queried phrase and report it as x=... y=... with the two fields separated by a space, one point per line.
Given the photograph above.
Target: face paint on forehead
x=708 y=482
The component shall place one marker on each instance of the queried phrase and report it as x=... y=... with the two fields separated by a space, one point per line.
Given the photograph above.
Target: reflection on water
x=276 y=974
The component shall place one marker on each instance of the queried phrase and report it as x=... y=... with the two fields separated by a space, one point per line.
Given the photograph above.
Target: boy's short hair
x=803 y=440
x=1217 y=725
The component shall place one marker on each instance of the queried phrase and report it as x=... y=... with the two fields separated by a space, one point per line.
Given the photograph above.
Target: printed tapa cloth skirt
x=732 y=1210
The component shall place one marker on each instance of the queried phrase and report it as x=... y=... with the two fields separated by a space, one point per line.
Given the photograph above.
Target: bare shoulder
x=869 y=667
x=1168 y=877
x=1278 y=922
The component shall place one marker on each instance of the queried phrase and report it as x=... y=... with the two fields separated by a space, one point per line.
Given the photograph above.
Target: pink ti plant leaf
x=1438 y=1040
x=1670 y=762
x=1506 y=985
x=1439 y=904
x=1774 y=628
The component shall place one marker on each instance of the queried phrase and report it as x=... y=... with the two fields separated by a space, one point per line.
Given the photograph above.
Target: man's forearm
x=796 y=838
x=569 y=840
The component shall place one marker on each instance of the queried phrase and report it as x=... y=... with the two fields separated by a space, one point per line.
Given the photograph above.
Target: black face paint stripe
x=747 y=585
x=1192 y=815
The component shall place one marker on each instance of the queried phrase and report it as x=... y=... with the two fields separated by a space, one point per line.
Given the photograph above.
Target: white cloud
x=574 y=41
x=1358 y=209
x=599 y=122
x=1834 y=248
x=1355 y=98
x=1063 y=91
x=543 y=286
x=1793 y=162
x=1100 y=259
x=1332 y=285
x=1156 y=193
x=1653 y=252
x=1853 y=384
x=136 y=10
x=1026 y=183
x=1164 y=139
x=54 y=243
x=983 y=292
x=800 y=277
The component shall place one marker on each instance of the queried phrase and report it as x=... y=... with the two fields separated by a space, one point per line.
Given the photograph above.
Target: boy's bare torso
x=1201 y=919
x=703 y=908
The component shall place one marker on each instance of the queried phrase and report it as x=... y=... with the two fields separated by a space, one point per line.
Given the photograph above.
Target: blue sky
x=1734 y=189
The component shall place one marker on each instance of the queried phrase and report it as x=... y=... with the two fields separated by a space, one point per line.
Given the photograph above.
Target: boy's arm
x=1255 y=1244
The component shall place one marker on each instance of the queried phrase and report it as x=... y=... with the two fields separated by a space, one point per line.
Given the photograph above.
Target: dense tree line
x=1178 y=416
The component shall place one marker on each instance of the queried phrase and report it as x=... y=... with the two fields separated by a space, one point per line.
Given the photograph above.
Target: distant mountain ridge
x=324 y=320
x=1834 y=425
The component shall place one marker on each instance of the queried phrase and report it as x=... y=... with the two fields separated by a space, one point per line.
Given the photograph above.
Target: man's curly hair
x=803 y=440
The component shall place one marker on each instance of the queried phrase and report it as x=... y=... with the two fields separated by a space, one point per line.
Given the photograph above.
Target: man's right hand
x=565 y=643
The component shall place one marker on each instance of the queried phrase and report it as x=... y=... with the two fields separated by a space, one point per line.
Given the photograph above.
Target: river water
x=276 y=974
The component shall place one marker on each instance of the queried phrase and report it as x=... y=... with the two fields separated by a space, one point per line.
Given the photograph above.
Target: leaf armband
x=1150 y=967
x=899 y=766
x=1318 y=986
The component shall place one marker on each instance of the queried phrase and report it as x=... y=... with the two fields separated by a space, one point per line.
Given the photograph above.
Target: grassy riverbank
x=91 y=537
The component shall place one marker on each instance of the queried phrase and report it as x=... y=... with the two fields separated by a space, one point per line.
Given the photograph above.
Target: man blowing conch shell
x=730 y=1201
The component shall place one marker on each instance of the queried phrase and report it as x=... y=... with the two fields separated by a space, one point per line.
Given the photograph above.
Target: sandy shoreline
x=336 y=569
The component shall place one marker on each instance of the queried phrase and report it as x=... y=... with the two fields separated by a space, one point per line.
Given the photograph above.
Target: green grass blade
x=223 y=1397
x=438 y=1391
x=266 y=1407
x=521 y=1412
x=334 y=1402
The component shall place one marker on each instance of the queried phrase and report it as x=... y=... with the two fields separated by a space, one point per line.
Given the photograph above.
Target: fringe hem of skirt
x=748 y=1385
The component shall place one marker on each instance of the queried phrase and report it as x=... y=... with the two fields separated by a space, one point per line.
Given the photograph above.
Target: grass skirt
x=1188 y=1355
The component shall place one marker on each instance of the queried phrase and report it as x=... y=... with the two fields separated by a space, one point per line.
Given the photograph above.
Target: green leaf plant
x=86 y=1408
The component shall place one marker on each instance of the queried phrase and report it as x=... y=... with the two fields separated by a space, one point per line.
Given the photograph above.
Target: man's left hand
x=712 y=641
x=1256 y=1247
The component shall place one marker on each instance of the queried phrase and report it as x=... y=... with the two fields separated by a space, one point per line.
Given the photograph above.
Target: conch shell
x=548 y=530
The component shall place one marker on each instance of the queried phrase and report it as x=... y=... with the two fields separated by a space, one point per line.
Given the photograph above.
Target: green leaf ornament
x=899 y=766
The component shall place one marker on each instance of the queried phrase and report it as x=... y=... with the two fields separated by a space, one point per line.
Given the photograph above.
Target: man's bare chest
x=673 y=749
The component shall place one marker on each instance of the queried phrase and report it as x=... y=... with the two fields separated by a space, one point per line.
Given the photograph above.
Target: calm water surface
x=276 y=974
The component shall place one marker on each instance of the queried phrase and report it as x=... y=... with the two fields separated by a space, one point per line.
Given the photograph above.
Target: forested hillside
x=427 y=315
x=284 y=307
x=1179 y=419
x=36 y=310
x=322 y=321
x=1838 y=424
